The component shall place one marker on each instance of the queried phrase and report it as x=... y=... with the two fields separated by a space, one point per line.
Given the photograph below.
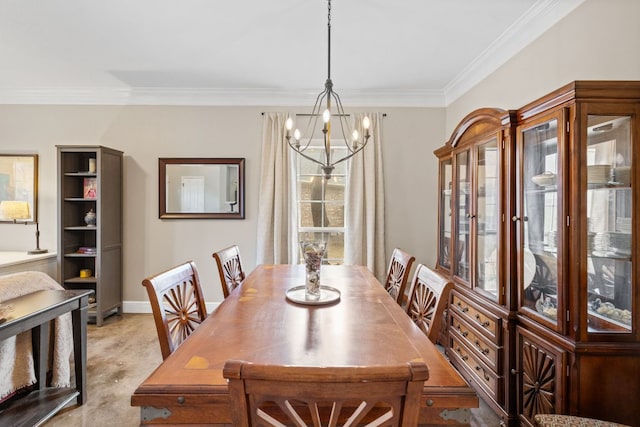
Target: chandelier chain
x=329 y=39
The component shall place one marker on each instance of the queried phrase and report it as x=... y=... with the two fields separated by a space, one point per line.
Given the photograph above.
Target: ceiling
x=256 y=52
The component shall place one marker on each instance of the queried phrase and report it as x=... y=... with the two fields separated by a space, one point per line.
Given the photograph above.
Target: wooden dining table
x=258 y=323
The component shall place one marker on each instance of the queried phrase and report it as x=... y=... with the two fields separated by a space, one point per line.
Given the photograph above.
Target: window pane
x=334 y=188
x=310 y=188
x=334 y=214
x=311 y=214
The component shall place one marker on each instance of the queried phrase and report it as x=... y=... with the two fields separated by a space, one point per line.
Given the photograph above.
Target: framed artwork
x=19 y=188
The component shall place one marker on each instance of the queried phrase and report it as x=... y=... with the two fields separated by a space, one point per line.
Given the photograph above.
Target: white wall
x=146 y=133
x=600 y=40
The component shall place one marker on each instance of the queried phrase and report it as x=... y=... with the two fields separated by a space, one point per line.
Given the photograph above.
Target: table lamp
x=18 y=210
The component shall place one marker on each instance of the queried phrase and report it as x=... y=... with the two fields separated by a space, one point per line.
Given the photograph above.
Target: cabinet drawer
x=486 y=322
x=477 y=371
x=486 y=350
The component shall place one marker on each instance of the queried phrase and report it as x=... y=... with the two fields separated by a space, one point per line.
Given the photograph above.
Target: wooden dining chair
x=270 y=395
x=177 y=304
x=428 y=296
x=398 y=273
x=229 y=268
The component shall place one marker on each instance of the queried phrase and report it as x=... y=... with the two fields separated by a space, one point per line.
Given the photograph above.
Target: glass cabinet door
x=540 y=210
x=487 y=214
x=461 y=244
x=609 y=218
x=446 y=178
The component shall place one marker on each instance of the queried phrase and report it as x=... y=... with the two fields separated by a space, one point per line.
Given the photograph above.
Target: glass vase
x=312 y=252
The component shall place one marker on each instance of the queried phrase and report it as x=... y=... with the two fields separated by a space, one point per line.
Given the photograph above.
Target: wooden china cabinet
x=475 y=169
x=557 y=330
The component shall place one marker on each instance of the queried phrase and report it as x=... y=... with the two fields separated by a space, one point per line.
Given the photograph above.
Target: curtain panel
x=277 y=211
x=364 y=205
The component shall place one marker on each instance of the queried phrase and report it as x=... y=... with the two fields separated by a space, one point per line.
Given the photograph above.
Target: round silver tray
x=327 y=295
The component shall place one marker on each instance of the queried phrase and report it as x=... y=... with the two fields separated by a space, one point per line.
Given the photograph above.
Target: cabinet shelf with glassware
x=90 y=225
x=574 y=223
x=473 y=226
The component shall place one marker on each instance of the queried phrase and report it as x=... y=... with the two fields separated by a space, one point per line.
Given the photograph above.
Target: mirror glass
x=209 y=188
x=18 y=188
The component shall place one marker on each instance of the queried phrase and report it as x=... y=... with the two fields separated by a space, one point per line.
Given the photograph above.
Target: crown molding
x=213 y=97
x=538 y=19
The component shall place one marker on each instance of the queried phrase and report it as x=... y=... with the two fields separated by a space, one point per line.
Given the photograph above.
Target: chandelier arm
x=360 y=148
x=302 y=154
x=343 y=121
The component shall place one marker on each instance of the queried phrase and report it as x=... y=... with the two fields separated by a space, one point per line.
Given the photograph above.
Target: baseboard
x=145 y=306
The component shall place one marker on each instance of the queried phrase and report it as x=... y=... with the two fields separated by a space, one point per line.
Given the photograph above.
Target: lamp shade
x=14 y=210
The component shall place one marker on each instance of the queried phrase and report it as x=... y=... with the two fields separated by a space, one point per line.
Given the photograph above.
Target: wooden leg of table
x=40 y=345
x=79 y=319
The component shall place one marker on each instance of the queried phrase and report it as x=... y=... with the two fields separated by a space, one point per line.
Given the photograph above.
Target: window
x=321 y=201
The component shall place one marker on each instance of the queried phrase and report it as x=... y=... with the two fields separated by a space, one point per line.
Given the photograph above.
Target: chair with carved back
x=177 y=303
x=275 y=395
x=229 y=268
x=398 y=274
x=428 y=296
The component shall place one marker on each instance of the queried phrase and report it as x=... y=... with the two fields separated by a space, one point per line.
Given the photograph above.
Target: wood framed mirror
x=201 y=188
x=19 y=188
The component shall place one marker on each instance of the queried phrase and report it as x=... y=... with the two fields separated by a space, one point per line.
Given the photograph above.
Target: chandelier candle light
x=330 y=99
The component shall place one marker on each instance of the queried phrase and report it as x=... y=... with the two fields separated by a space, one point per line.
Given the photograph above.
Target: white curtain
x=277 y=212
x=364 y=209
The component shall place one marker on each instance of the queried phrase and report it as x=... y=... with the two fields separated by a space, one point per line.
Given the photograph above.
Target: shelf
x=610 y=255
x=78 y=255
x=81 y=174
x=80 y=280
x=81 y=228
x=79 y=199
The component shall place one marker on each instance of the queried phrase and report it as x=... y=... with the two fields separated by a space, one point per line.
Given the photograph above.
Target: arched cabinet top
x=478 y=122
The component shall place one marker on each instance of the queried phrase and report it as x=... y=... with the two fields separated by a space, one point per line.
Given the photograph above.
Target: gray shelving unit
x=104 y=258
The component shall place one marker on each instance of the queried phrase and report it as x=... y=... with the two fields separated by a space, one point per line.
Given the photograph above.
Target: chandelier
x=330 y=100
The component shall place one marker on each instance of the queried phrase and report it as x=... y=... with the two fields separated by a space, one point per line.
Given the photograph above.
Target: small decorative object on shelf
x=90 y=189
x=92 y=165
x=90 y=218
x=312 y=253
x=85 y=272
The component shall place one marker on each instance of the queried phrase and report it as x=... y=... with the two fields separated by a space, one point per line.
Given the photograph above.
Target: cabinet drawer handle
x=465 y=309
x=465 y=357
x=465 y=333
x=486 y=377
x=482 y=350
